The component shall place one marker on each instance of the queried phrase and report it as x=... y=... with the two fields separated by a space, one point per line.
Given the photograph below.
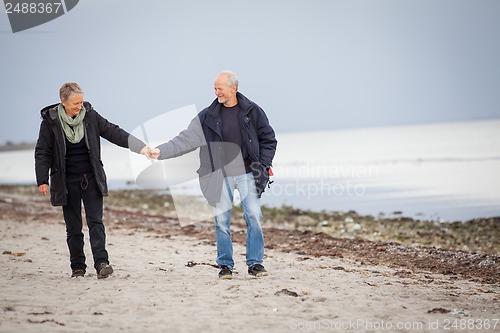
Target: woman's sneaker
x=225 y=273
x=257 y=270
x=104 y=270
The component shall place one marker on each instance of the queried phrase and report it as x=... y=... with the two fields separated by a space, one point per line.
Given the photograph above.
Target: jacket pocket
x=261 y=177
x=57 y=188
x=211 y=184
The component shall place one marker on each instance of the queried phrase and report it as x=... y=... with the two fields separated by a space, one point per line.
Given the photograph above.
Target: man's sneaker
x=257 y=270
x=78 y=272
x=104 y=270
x=225 y=273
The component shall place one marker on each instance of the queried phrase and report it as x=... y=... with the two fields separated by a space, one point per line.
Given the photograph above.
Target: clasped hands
x=150 y=153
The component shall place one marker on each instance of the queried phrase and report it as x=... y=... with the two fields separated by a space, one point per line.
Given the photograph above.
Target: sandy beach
x=165 y=281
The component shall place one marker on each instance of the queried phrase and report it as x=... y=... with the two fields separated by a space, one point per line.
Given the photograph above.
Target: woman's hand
x=44 y=189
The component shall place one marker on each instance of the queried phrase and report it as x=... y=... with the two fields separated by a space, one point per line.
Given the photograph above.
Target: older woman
x=68 y=148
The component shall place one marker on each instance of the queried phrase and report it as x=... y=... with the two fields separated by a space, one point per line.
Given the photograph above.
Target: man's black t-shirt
x=231 y=132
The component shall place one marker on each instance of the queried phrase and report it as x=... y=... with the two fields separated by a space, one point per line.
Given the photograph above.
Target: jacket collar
x=244 y=103
x=51 y=110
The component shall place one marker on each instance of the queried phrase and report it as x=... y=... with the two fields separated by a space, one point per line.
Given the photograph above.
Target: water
x=439 y=171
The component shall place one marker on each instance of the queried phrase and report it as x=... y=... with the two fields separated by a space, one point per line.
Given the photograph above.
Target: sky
x=310 y=64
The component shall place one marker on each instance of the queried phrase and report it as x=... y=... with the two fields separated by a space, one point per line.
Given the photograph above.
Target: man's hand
x=44 y=189
x=155 y=153
x=146 y=151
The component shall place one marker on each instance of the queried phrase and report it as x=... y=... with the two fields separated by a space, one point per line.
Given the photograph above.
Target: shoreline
x=480 y=235
x=468 y=250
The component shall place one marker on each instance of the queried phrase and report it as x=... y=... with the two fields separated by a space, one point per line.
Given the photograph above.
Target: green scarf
x=72 y=127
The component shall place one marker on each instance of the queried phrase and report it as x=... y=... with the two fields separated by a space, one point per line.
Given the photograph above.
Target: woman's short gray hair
x=232 y=79
x=68 y=89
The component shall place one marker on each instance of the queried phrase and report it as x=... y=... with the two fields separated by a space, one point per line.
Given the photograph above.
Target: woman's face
x=73 y=104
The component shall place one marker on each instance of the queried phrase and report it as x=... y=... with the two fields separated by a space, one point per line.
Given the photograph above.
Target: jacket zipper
x=247 y=134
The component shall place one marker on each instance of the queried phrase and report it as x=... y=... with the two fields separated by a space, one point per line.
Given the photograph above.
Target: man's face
x=223 y=92
x=73 y=104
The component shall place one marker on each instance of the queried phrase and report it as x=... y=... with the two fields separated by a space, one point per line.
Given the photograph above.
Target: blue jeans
x=252 y=214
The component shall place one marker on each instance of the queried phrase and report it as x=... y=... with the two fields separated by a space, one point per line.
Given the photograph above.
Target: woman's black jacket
x=50 y=150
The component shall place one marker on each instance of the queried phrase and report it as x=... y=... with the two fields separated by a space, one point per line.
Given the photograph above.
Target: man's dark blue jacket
x=205 y=132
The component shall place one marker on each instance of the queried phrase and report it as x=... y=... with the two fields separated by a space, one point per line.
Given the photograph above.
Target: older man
x=237 y=146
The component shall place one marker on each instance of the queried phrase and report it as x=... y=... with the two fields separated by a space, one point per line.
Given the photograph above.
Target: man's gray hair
x=232 y=79
x=68 y=89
